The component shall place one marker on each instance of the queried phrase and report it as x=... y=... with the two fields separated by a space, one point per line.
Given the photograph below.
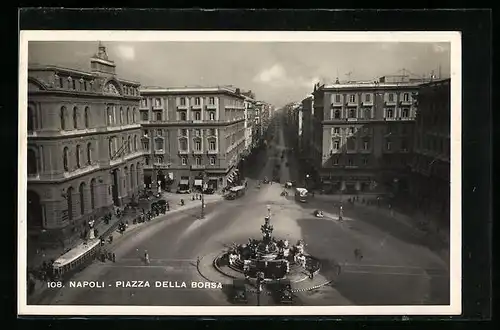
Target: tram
x=76 y=259
x=301 y=195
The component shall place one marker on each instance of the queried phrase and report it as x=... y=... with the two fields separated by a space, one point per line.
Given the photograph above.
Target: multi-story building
x=193 y=136
x=430 y=184
x=250 y=141
x=84 y=152
x=306 y=138
x=361 y=134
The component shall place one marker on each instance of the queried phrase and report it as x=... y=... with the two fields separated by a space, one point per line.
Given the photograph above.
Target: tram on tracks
x=76 y=259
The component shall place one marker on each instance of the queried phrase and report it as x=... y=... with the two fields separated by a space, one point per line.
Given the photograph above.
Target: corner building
x=361 y=135
x=430 y=184
x=192 y=136
x=84 y=153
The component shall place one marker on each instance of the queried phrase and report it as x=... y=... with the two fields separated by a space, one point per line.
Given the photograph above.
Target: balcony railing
x=198 y=167
x=407 y=102
x=183 y=152
x=182 y=107
x=367 y=103
x=159 y=151
x=211 y=106
x=196 y=107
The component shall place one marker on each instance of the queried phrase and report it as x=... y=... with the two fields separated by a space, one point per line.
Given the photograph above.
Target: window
x=109 y=113
x=211 y=100
x=145 y=133
x=197 y=115
x=144 y=103
x=404 y=145
x=183 y=161
x=197 y=132
x=135 y=143
x=197 y=101
x=366 y=130
x=85 y=84
x=69 y=201
x=367 y=98
x=89 y=153
x=65 y=159
x=366 y=144
x=351 y=130
x=159 y=132
x=337 y=98
x=158 y=115
x=144 y=115
x=212 y=160
x=388 y=145
x=127 y=119
x=184 y=132
x=61 y=82
x=31 y=119
x=197 y=145
x=389 y=113
x=350 y=162
x=336 y=145
x=158 y=102
x=110 y=148
x=211 y=145
x=74 y=83
x=32 y=162
x=351 y=144
x=406 y=97
x=183 y=116
x=183 y=101
x=75 y=118
x=129 y=144
x=335 y=161
x=87 y=119
x=368 y=113
x=159 y=144
x=147 y=160
x=337 y=114
x=212 y=132
x=183 y=144
x=352 y=113
x=352 y=98
x=336 y=130
x=145 y=145
x=81 y=191
x=159 y=159
x=92 y=194
x=121 y=116
x=78 y=155
x=365 y=160
x=198 y=161
x=391 y=97
x=405 y=113
x=212 y=115
x=134 y=115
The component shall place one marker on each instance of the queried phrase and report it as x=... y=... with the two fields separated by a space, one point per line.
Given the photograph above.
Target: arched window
x=352 y=113
x=89 y=153
x=31 y=119
x=92 y=194
x=62 y=117
x=81 y=191
x=337 y=114
x=137 y=169
x=78 y=155
x=110 y=147
x=128 y=115
x=134 y=115
x=65 y=159
x=135 y=142
x=132 y=185
x=32 y=162
x=75 y=118
x=69 y=200
x=109 y=116
x=121 y=116
x=129 y=144
x=87 y=118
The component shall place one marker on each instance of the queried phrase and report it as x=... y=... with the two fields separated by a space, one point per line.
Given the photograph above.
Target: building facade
x=361 y=135
x=84 y=153
x=193 y=137
x=250 y=140
x=430 y=184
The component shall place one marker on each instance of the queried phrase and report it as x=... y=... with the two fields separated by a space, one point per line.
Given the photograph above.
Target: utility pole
x=202 y=213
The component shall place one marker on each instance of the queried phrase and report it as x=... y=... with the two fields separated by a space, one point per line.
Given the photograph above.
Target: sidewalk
x=41 y=287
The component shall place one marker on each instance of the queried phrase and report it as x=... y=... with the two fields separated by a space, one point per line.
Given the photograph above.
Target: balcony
x=143 y=107
x=352 y=119
x=182 y=107
x=197 y=152
x=158 y=107
x=183 y=152
x=212 y=152
x=390 y=119
x=211 y=106
x=196 y=107
x=367 y=103
x=198 y=167
x=406 y=102
x=159 y=152
x=389 y=102
x=352 y=103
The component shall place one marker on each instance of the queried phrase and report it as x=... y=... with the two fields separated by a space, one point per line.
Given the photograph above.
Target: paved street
x=396 y=268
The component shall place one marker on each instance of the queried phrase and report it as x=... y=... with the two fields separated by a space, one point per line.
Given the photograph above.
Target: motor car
x=183 y=191
x=209 y=191
x=318 y=214
x=288 y=184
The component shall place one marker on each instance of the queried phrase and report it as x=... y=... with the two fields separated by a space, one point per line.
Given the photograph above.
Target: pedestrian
x=114 y=257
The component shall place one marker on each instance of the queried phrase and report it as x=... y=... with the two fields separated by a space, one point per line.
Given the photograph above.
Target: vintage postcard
x=239 y=173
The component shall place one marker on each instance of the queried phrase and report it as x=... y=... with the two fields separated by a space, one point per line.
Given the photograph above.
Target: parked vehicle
x=183 y=190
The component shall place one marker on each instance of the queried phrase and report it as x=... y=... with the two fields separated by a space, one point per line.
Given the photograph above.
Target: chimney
x=238 y=91
x=382 y=79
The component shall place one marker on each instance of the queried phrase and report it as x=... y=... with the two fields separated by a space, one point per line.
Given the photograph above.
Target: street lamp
x=202 y=213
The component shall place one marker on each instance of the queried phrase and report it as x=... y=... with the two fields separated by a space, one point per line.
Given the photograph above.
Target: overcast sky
x=277 y=72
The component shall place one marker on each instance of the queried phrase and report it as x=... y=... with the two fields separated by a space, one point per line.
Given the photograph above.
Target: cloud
x=277 y=76
x=126 y=52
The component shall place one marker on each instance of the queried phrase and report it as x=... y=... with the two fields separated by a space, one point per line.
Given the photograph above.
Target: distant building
x=84 y=151
x=192 y=136
x=430 y=184
x=361 y=135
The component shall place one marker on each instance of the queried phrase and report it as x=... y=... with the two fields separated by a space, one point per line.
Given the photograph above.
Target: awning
x=184 y=182
x=230 y=179
x=198 y=182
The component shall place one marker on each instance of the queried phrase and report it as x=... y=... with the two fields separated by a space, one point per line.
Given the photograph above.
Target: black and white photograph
x=239 y=173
